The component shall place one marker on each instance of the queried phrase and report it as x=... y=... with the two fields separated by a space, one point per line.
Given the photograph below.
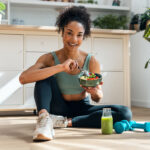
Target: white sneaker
x=44 y=128
x=59 y=121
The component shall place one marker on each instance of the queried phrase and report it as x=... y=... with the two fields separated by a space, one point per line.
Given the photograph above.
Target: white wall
x=46 y=16
x=139 y=6
x=140 y=53
x=34 y=15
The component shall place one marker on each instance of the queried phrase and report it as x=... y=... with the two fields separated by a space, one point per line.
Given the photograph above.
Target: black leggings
x=48 y=96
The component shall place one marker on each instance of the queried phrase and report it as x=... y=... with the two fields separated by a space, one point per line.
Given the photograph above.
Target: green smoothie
x=107 y=125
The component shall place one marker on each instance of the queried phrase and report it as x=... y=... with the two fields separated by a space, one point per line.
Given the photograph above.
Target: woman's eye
x=69 y=33
x=80 y=35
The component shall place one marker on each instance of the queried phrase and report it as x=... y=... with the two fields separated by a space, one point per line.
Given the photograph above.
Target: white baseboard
x=140 y=103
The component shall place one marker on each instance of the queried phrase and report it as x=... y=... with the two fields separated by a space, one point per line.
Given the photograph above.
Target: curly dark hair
x=74 y=13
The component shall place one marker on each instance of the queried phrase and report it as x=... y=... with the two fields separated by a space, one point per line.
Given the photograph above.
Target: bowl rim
x=97 y=74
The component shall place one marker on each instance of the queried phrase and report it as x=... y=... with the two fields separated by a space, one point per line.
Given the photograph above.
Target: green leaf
x=146 y=65
x=2 y=6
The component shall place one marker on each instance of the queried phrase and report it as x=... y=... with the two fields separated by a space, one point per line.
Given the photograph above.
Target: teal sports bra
x=69 y=84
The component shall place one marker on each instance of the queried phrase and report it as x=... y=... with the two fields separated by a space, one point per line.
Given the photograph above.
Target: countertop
x=54 y=29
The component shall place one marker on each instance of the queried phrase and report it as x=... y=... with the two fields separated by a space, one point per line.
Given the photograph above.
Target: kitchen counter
x=21 y=46
x=54 y=29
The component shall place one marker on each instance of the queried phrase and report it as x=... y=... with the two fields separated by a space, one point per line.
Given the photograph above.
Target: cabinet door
x=86 y=45
x=31 y=58
x=113 y=88
x=11 y=91
x=109 y=53
x=11 y=52
x=41 y=43
x=29 y=101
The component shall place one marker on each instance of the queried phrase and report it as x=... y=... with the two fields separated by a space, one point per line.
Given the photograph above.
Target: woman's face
x=73 y=35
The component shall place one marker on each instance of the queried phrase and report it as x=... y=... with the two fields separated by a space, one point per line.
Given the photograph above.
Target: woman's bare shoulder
x=83 y=54
x=93 y=60
x=94 y=65
x=59 y=52
x=46 y=59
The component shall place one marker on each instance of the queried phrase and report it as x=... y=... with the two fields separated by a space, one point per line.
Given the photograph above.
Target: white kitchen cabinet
x=109 y=53
x=41 y=43
x=36 y=46
x=113 y=88
x=31 y=58
x=87 y=45
x=29 y=101
x=11 y=65
x=11 y=91
x=20 y=49
x=112 y=52
x=11 y=52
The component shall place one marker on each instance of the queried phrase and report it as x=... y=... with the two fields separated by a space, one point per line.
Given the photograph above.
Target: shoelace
x=43 y=121
x=59 y=122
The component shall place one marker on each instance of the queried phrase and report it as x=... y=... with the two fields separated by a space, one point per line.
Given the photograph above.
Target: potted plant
x=147 y=37
x=145 y=25
x=88 y=1
x=2 y=8
x=116 y=3
x=111 y=22
x=135 y=22
x=92 y=1
x=145 y=18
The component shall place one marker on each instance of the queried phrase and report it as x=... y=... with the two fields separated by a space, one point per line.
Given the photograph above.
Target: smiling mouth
x=72 y=45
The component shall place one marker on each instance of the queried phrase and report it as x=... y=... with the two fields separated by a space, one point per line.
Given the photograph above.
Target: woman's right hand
x=69 y=65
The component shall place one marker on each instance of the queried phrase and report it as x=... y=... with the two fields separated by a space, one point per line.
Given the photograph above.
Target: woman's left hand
x=96 y=92
x=91 y=90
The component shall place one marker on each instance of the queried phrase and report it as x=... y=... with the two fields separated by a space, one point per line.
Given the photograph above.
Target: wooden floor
x=16 y=134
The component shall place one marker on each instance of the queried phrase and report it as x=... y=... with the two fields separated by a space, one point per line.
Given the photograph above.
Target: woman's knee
x=43 y=84
x=125 y=113
x=47 y=80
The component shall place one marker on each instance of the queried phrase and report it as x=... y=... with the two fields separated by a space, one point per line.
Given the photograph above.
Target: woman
x=60 y=100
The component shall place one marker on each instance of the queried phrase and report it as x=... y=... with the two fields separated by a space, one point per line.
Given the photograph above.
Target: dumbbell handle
x=138 y=125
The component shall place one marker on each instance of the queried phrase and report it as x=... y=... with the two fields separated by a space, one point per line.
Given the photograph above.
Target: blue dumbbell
x=122 y=126
x=145 y=126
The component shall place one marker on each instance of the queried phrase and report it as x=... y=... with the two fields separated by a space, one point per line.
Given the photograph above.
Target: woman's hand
x=96 y=92
x=69 y=65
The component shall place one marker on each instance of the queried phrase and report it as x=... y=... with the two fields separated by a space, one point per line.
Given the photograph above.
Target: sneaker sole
x=41 y=137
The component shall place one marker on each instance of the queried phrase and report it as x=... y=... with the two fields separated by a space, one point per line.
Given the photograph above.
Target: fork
x=85 y=72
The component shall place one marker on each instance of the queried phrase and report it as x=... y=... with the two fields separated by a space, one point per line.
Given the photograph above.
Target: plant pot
x=136 y=27
x=65 y=0
x=147 y=23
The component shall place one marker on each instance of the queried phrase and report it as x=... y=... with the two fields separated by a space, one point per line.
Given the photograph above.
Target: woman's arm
x=44 y=68
x=40 y=70
x=96 y=92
